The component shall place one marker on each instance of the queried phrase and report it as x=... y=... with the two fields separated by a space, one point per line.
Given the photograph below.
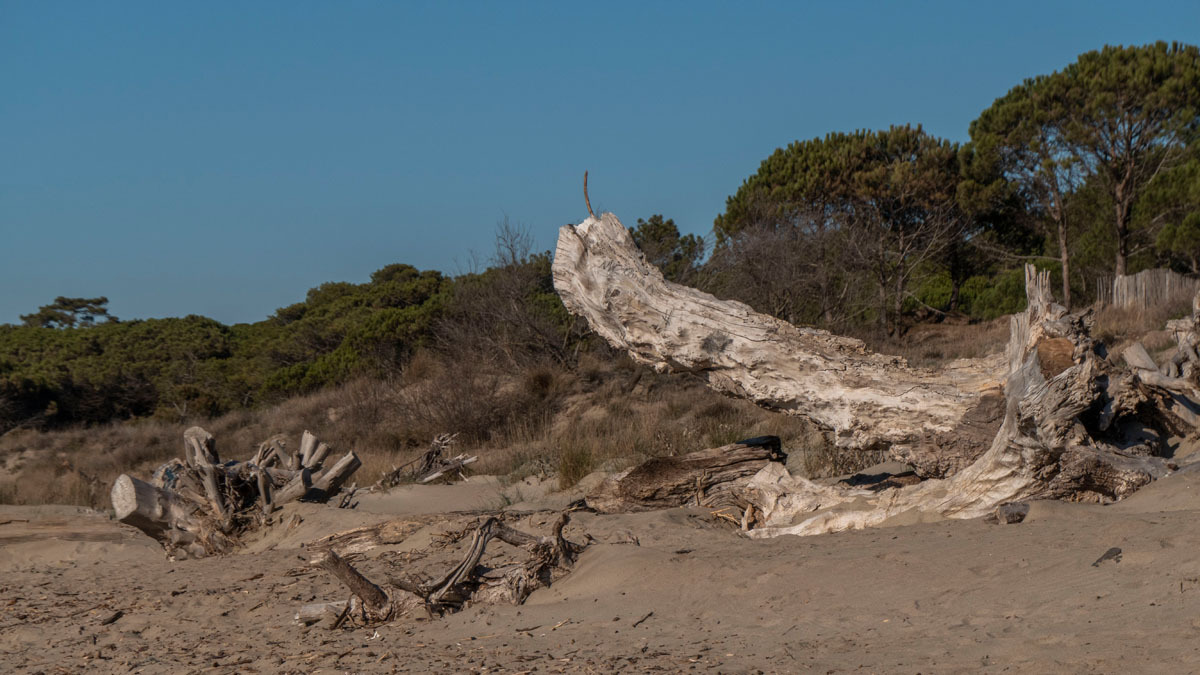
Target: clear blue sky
x=220 y=158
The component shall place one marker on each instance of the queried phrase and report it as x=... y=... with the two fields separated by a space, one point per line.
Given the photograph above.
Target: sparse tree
x=70 y=313
x=677 y=256
x=1020 y=143
x=1130 y=113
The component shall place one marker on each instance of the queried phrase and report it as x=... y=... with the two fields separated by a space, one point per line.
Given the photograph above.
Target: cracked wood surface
x=866 y=400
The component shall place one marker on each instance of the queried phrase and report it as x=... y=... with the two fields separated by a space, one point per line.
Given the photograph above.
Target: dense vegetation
x=1089 y=171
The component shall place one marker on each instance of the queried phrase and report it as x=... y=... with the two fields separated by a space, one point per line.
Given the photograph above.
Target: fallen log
x=375 y=603
x=152 y=509
x=296 y=488
x=703 y=477
x=1050 y=417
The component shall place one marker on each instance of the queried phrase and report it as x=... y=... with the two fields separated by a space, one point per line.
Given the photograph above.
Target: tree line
x=1089 y=171
x=1092 y=170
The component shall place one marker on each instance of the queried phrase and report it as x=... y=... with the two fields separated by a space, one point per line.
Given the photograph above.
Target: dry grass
x=929 y=345
x=1118 y=327
x=606 y=414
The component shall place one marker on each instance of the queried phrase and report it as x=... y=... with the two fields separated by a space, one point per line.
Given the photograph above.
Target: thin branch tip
x=587 y=201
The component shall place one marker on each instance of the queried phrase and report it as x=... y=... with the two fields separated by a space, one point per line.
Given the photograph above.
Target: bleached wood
x=151 y=509
x=455 y=464
x=299 y=486
x=866 y=400
x=264 y=491
x=199 y=447
x=1137 y=357
x=318 y=457
x=331 y=480
x=374 y=600
x=308 y=445
x=319 y=611
x=212 y=490
x=1041 y=445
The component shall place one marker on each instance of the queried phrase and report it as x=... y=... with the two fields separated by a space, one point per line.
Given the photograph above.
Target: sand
x=662 y=591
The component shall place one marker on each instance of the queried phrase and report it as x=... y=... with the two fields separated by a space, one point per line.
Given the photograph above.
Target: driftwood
x=548 y=558
x=1051 y=417
x=708 y=478
x=197 y=506
x=430 y=466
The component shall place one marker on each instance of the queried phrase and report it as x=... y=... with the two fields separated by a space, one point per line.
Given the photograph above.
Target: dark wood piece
x=705 y=476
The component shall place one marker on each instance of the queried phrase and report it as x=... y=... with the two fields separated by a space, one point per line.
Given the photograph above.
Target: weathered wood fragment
x=212 y=490
x=319 y=611
x=264 y=491
x=469 y=581
x=308 y=445
x=199 y=447
x=1137 y=357
x=703 y=476
x=363 y=539
x=330 y=481
x=151 y=509
x=318 y=456
x=296 y=488
x=451 y=466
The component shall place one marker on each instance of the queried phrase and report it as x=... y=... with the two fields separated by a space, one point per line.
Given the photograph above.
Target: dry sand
x=955 y=596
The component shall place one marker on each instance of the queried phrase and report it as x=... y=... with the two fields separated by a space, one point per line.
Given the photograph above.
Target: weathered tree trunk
x=866 y=400
x=698 y=477
x=1046 y=419
x=299 y=486
x=151 y=509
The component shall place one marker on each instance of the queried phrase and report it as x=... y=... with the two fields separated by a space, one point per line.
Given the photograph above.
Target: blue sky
x=220 y=158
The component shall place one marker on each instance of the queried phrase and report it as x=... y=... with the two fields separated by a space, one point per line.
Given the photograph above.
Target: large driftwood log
x=866 y=400
x=1051 y=417
x=702 y=477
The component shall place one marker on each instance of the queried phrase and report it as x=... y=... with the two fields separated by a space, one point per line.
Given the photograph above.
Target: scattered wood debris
x=434 y=464
x=198 y=506
x=548 y=558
